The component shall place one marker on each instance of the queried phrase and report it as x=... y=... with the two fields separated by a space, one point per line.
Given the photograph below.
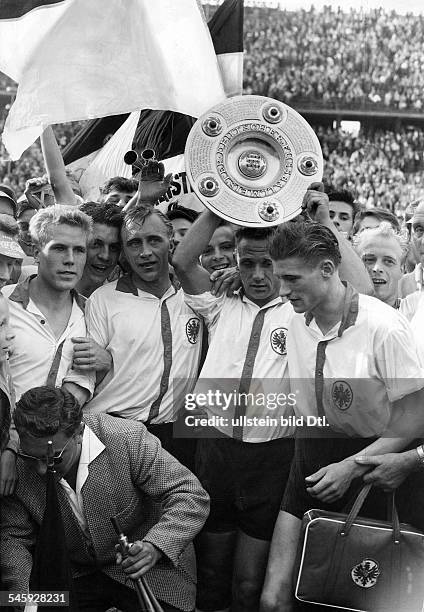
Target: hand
x=331 y=482
x=153 y=184
x=33 y=188
x=88 y=355
x=389 y=470
x=142 y=556
x=316 y=204
x=8 y=476
x=276 y=602
x=225 y=281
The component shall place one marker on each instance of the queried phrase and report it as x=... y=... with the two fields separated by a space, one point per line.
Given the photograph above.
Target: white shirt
x=35 y=345
x=90 y=449
x=368 y=362
x=230 y=321
x=146 y=370
x=413 y=308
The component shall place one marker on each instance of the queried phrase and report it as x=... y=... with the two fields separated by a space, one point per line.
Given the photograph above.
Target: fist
x=316 y=204
x=141 y=557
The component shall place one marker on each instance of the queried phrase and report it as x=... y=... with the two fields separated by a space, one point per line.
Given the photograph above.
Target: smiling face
x=147 y=247
x=62 y=259
x=103 y=253
x=382 y=257
x=219 y=253
x=302 y=284
x=256 y=271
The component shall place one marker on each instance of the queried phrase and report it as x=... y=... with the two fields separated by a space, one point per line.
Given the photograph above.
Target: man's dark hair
x=121 y=184
x=108 y=214
x=43 y=411
x=254 y=233
x=311 y=242
x=343 y=195
x=382 y=214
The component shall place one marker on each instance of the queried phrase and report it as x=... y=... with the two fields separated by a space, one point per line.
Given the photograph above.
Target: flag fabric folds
x=51 y=567
x=94 y=59
x=163 y=131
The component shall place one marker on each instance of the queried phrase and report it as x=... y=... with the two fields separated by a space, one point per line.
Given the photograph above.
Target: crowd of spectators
x=334 y=58
x=382 y=168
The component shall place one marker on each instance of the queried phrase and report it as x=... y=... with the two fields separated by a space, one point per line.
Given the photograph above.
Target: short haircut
x=343 y=195
x=381 y=214
x=44 y=411
x=41 y=222
x=254 y=233
x=120 y=184
x=311 y=242
x=108 y=214
x=137 y=216
x=384 y=230
x=9 y=225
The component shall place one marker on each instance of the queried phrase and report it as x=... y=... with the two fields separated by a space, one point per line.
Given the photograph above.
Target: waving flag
x=94 y=161
x=79 y=59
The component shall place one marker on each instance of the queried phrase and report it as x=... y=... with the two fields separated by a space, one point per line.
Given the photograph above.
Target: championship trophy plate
x=250 y=160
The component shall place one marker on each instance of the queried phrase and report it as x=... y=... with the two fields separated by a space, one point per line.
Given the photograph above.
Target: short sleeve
x=206 y=305
x=397 y=359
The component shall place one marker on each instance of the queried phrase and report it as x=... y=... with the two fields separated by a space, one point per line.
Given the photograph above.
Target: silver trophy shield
x=250 y=160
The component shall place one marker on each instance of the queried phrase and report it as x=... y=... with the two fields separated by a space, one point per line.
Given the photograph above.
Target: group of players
x=121 y=312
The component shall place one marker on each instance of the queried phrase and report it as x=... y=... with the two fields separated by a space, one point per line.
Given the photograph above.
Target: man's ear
x=327 y=268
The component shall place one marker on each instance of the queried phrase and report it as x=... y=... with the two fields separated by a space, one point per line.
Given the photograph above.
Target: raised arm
x=193 y=278
x=56 y=169
x=351 y=268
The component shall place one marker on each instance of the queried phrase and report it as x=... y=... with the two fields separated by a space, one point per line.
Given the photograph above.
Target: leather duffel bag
x=360 y=564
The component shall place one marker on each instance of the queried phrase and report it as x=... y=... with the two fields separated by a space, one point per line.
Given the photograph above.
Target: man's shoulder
x=106 y=426
x=104 y=291
x=377 y=314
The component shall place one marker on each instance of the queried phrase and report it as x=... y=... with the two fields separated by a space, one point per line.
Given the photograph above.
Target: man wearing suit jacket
x=105 y=467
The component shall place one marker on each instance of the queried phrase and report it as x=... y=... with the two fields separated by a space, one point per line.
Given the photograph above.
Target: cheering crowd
x=118 y=319
x=205 y=384
x=335 y=59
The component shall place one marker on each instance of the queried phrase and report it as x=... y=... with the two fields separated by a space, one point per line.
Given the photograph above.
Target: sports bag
x=360 y=564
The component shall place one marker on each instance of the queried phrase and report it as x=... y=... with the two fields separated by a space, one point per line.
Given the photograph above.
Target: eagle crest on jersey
x=192 y=330
x=341 y=394
x=278 y=340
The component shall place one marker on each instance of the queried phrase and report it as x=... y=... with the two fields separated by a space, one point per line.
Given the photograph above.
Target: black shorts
x=311 y=454
x=245 y=481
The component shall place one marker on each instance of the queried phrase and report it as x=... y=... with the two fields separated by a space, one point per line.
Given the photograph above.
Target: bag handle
x=359 y=501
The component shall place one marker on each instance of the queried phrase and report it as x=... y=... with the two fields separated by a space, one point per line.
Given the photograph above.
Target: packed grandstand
x=332 y=66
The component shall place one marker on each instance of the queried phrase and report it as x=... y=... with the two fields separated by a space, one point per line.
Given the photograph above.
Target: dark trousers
x=98 y=592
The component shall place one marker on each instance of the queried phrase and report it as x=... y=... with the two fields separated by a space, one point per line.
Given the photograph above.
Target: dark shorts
x=311 y=454
x=245 y=481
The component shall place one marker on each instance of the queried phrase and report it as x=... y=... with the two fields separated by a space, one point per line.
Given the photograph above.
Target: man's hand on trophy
x=152 y=185
x=316 y=204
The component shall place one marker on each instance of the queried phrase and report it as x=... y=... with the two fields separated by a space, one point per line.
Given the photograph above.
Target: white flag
x=81 y=59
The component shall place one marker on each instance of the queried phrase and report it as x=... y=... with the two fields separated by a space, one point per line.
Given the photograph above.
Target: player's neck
x=330 y=310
